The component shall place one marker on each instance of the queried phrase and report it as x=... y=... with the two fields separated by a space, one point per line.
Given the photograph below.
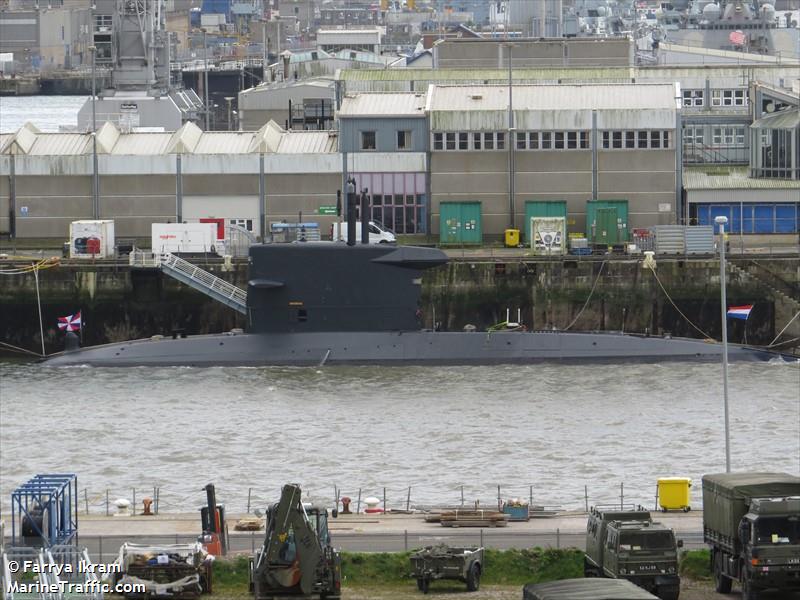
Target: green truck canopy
x=726 y=496
x=592 y=588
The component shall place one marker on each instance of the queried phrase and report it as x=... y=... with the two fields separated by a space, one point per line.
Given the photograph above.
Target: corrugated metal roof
x=736 y=178
x=364 y=57
x=213 y=142
x=308 y=142
x=786 y=119
x=142 y=144
x=554 y=97
x=489 y=75
x=405 y=104
x=60 y=144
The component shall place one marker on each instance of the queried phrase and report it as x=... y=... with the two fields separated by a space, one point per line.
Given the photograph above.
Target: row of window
x=752 y=218
x=643 y=138
x=721 y=135
x=550 y=140
x=403 y=140
x=402 y=213
x=719 y=98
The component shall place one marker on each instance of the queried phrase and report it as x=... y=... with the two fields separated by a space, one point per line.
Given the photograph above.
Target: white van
x=378 y=233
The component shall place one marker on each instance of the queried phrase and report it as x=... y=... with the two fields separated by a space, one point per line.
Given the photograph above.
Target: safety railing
x=206 y=280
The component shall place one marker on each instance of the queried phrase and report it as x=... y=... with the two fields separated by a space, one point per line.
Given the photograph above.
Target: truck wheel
x=668 y=592
x=722 y=584
x=588 y=570
x=424 y=584
x=748 y=593
x=474 y=578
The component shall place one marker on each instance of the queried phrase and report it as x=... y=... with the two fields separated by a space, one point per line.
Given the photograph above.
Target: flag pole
x=39 y=304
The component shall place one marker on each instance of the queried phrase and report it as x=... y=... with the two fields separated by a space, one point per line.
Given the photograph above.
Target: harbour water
x=47 y=113
x=555 y=427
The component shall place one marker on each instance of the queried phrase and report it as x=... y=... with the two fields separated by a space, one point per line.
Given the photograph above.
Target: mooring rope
x=591 y=293
x=772 y=343
x=680 y=312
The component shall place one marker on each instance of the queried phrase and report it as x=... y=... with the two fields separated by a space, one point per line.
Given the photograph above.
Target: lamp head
x=721 y=220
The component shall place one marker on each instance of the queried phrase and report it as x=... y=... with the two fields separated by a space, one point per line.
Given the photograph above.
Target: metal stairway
x=194 y=276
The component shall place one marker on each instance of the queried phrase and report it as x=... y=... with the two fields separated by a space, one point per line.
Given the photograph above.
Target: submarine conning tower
x=324 y=286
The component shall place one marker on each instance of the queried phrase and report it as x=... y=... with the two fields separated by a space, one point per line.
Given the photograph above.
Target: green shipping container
x=542 y=208
x=460 y=223
x=607 y=221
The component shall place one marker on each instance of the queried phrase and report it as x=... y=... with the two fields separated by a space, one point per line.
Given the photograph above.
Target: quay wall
x=120 y=303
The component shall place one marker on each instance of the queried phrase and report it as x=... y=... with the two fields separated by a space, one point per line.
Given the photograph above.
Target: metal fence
x=105 y=549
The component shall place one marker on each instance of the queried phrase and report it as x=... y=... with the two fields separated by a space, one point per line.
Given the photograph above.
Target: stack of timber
x=473 y=518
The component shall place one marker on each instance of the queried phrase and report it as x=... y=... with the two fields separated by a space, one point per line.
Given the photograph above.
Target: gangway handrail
x=195 y=273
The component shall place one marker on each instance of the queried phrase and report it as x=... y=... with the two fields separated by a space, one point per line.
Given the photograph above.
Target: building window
x=501 y=140
x=655 y=139
x=402 y=213
x=404 y=140
x=572 y=140
x=642 y=137
x=368 y=140
x=616 y=139
x=533 y=140
x=693 y=97
x=584 y=140
x=245 y=223
x=630 y=139
x=739 y=135
x=476 y=141
x=450 y=141
x=547 y=140
x=558 y=140
x=438 y=141
x=488 y=141
x=522 y=138
x=726 y=98
x=463 y=141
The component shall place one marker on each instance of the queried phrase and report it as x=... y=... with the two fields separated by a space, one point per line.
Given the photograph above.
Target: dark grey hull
x=401 y=348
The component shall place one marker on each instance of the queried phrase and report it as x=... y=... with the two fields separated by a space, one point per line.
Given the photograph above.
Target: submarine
x=330 y=303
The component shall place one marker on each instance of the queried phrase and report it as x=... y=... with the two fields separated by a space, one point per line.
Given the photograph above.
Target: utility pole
x=722 y=221
x=511 y=142
x=205 y=77
x=95 y=182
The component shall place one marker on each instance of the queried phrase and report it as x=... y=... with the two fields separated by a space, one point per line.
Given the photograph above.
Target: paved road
x=105 y=548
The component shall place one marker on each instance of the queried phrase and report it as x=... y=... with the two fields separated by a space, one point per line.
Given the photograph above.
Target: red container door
x=220 y=226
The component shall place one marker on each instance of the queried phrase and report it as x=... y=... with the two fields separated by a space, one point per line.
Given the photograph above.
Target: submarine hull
x=401 y=348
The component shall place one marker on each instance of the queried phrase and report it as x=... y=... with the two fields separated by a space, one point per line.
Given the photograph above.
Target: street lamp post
x=511 y=141
x=205 y=77
x=722 y=221
x=95 y=182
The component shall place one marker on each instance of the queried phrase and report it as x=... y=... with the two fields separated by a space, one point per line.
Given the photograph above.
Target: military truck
x=752 y=523
x=585 y=589
x=628 y=544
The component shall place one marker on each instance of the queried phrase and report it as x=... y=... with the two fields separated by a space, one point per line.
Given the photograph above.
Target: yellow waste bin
x=673 y=493
x=512 y=238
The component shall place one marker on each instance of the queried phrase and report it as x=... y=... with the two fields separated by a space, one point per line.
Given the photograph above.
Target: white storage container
x=184 y=238
x=91 y=239
x=548 y=235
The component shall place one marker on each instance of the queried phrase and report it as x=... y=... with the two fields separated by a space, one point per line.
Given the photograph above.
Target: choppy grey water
x=45 y=112
x=435 y=429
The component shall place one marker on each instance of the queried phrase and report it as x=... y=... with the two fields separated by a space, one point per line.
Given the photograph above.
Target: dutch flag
x=740 y=312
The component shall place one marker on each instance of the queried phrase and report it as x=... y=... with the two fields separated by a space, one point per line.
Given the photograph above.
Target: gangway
x=44 y=574
x=81 y=573
x=28 y=583
x=193 y=276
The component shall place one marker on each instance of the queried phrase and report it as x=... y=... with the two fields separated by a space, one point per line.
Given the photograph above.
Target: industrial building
x=247 y=178
x=449 y=163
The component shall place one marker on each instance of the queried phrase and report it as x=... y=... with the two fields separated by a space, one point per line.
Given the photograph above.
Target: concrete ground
x=189 y=524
